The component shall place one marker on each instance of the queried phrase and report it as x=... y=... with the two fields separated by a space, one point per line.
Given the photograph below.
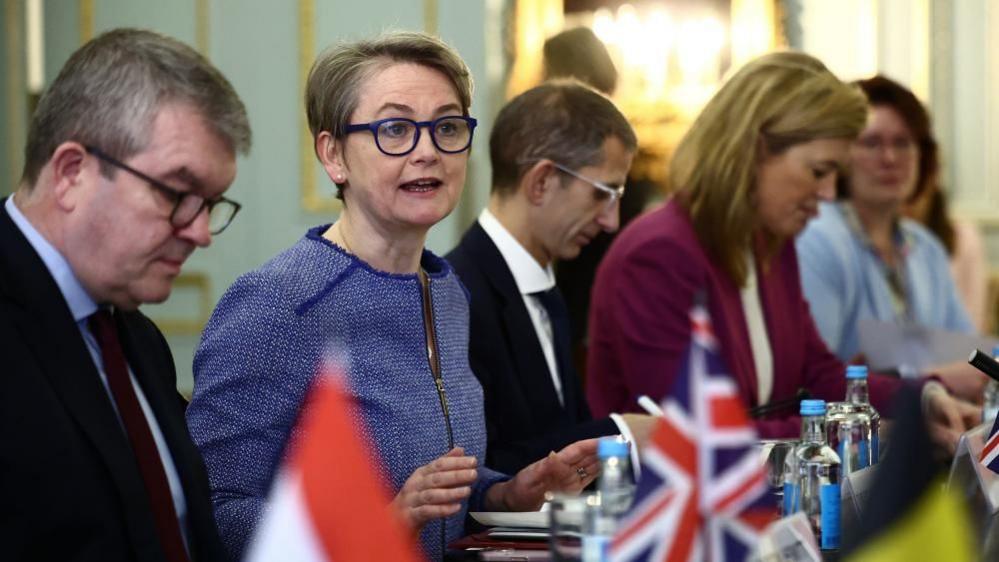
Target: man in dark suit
x=560 y=154
x=128 y=154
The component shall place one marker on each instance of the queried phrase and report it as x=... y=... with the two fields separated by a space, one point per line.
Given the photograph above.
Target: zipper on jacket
x=435 y=369
x=432 y=355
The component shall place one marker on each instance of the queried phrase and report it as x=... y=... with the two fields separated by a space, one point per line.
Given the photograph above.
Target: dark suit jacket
x=524 y=420
x=70 y=488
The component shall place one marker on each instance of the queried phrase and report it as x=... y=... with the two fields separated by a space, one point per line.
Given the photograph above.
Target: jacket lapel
x=144 y=348
x=529 y=359
x=55 y=341
x=150 y=361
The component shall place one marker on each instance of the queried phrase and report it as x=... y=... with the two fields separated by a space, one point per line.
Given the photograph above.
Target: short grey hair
x=333 y=89
x=110 y=90
x=564 y=121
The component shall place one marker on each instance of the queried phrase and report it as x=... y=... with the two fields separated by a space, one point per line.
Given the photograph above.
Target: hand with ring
x=569 y=470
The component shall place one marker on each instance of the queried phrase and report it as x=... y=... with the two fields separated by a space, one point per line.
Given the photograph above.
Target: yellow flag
x=937 y=527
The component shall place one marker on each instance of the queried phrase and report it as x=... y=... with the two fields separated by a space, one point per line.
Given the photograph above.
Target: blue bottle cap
x=995 y=351
x=856 y=372
x=610 y=447
x=813 y=407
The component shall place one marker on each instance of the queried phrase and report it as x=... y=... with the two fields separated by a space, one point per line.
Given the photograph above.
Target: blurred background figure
x=863 y=259
x=965 y=249
x=578 y=53
x=748 y=176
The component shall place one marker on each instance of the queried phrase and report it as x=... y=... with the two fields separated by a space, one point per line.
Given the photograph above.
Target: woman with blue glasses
x=390 y=122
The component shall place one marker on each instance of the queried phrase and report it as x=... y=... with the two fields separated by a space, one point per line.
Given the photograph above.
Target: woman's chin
x=789 y=228
x=427 y=218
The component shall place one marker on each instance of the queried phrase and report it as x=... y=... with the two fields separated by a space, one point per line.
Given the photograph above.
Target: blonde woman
x=748 y=176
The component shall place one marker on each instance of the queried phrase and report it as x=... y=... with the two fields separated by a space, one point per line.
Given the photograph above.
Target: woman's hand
x=947 y=417
x=963 y=380
x=436 y=490
x=569 y=470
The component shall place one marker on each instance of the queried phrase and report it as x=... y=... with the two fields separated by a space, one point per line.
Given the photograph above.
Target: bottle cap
x=856 y=372
x=610 y=447
x=813 y=407
x=995 y=352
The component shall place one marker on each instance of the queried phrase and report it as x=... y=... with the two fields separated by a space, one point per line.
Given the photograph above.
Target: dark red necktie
x=140 y=436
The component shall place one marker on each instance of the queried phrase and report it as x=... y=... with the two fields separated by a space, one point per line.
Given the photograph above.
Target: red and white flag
x=328 y=503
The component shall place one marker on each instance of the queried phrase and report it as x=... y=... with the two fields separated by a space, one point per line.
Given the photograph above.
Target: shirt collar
x=80 y=303
x=528 y=274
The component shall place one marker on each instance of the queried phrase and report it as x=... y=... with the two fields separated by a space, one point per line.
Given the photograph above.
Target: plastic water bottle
x=597 y=530
x=616 y=483
x=815 y=481
x=856 y=394
x=789 y=497
x=990 y=405
x=616 y=490
x=852 y=426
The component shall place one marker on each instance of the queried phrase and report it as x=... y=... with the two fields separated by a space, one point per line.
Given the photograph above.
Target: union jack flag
x=702 y=494
x=990 y=452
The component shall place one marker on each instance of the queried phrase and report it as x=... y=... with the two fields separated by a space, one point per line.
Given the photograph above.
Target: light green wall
x=62 y=34
x=255 y=44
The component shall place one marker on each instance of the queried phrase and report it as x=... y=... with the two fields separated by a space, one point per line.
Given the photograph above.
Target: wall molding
x=202 y=26
x=200 y=282
x=430 y=17
x=970 y=158
x=991 y=118
x=86 y=22
x=16 y=90
x=312 y=200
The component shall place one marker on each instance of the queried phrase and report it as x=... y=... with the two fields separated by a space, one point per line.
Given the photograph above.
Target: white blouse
x=759 y=340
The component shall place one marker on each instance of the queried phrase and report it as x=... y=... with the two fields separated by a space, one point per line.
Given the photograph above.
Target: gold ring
x=582 y=473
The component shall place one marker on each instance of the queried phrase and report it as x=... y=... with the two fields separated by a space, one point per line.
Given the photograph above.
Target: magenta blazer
x=640 y=328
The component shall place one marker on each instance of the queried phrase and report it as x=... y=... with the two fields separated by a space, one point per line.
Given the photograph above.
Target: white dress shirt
x=530 y=277
x=82 y=306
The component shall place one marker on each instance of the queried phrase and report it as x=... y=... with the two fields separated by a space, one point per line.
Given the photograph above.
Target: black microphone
x=981 y=361
x=786 y=404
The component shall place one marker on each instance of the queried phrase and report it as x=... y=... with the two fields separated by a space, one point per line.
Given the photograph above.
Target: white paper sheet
x=888 y=345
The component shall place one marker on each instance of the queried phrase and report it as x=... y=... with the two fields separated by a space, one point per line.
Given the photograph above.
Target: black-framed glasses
x=186 y=206
x=398 y=136
x=612 y=193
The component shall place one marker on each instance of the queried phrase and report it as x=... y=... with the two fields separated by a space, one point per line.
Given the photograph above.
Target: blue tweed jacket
x=260 y=352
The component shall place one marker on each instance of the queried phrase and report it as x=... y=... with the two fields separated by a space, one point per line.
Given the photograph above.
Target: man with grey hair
x=127 y=158
x=560 y=154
